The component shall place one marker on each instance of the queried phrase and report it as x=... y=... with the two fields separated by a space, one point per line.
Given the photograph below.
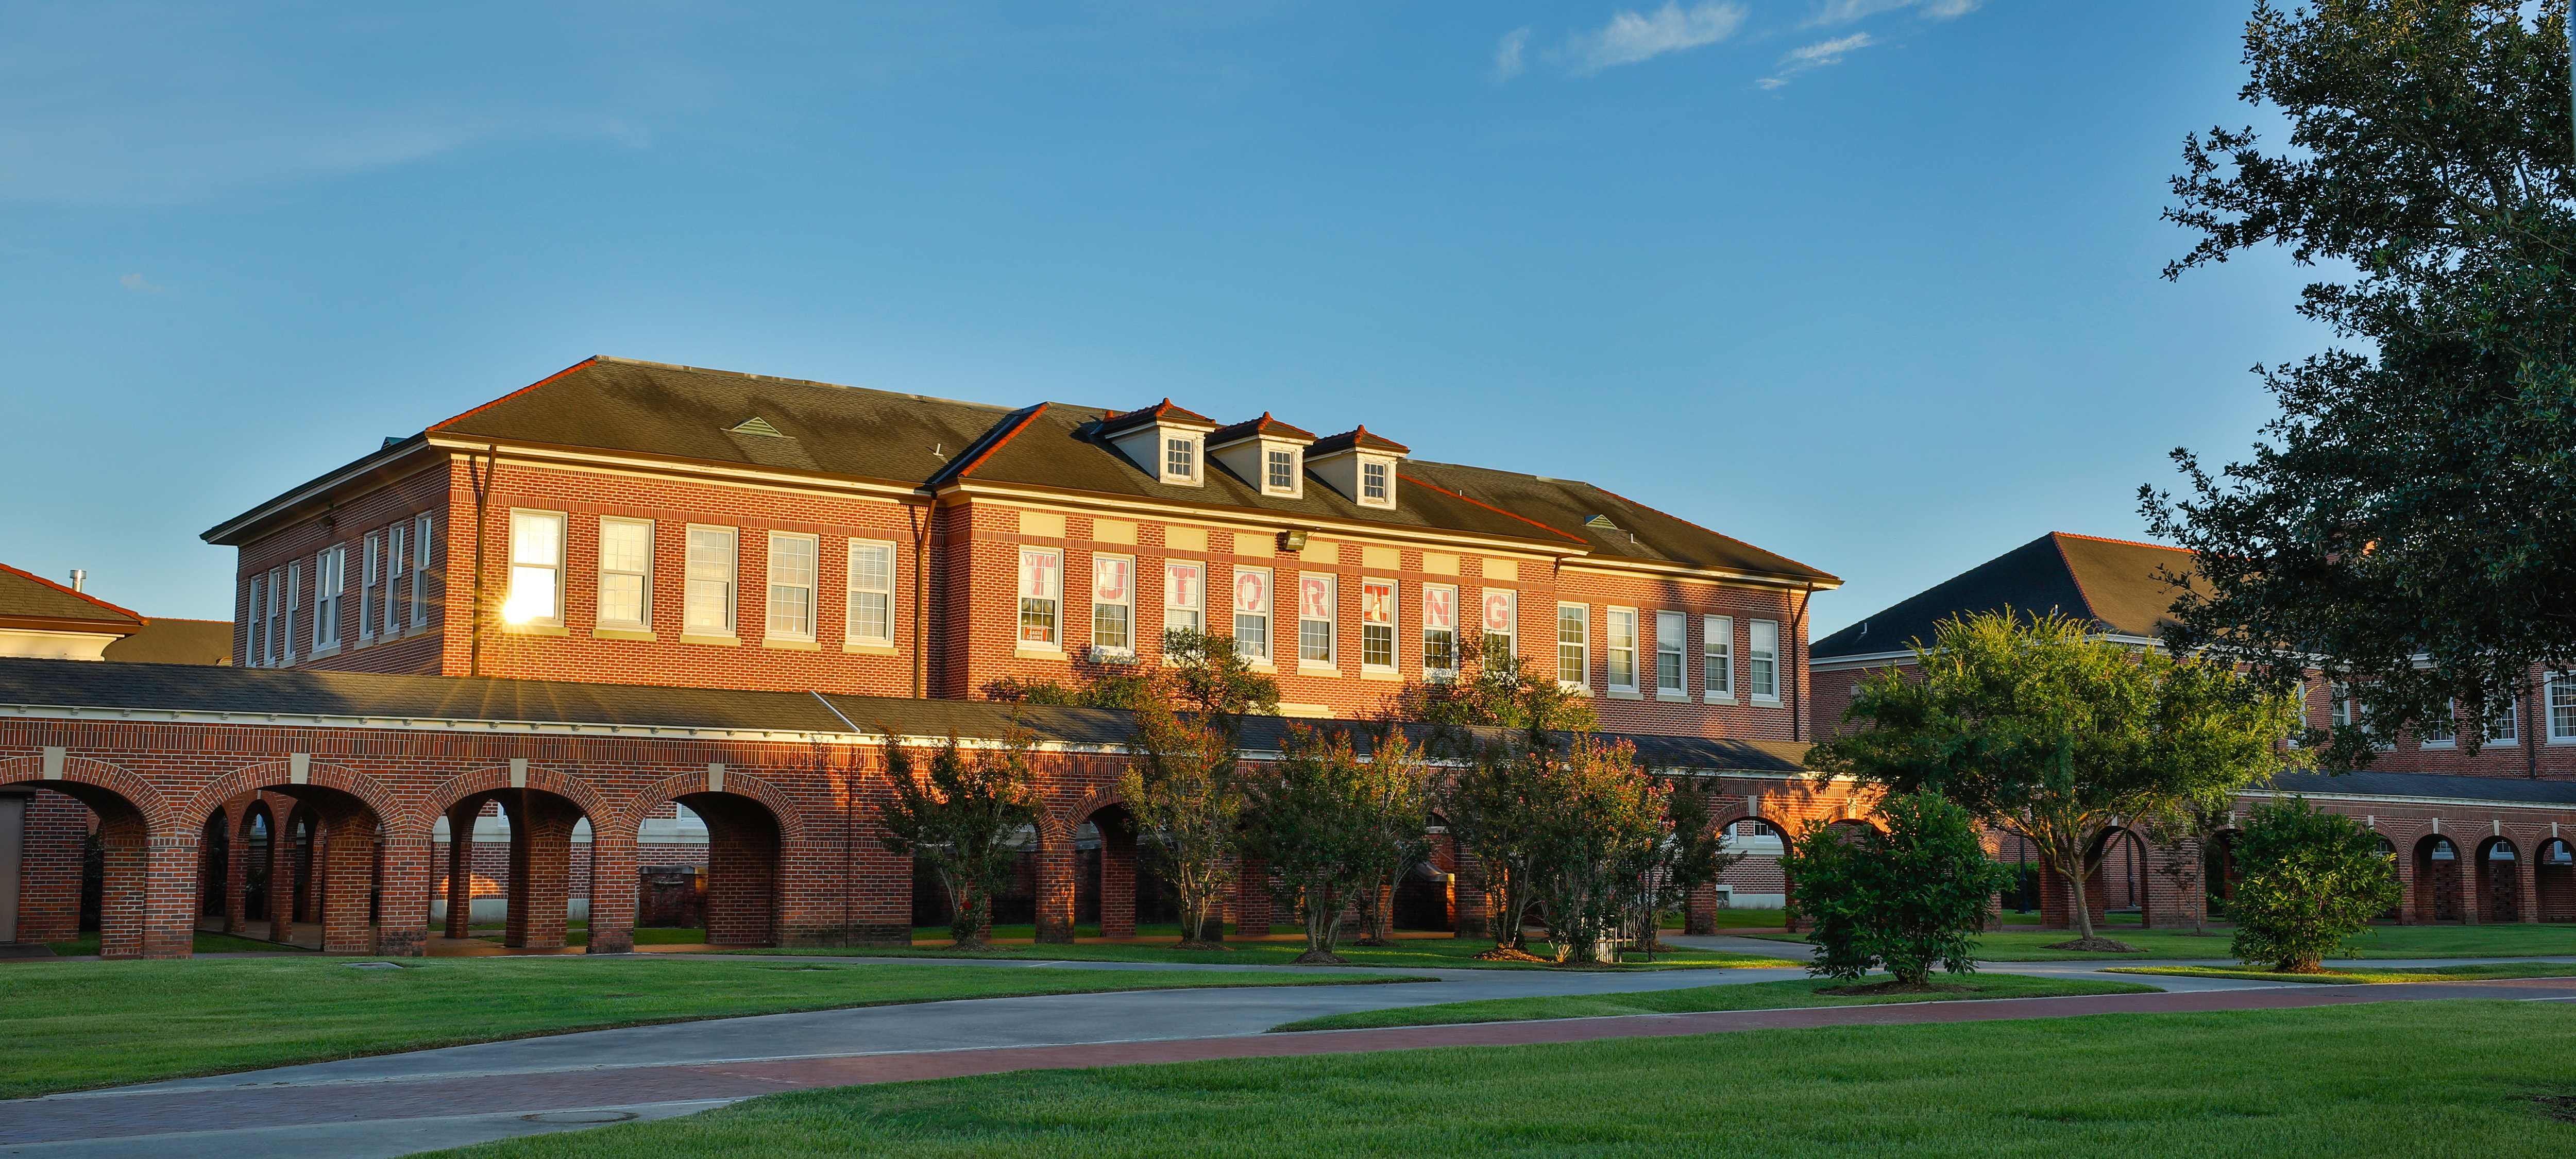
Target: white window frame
x=395 y=556
x=330 y=587
x=1581 y=649
x=273 y=642
x=789 y=600
x=1039 y=592
x=1256 y=646
x=1717 y=659
x=1113 y=609
x=1511 y=631
x=2510 y=717
x=371 y=546
x=852 y=629
x=1432 y=646
x=1672 y=644
x=527 y=564
x=701 y=591
x=2338 y=704
x=1181 y=457
x=294 y=604
x=1279 y=470
x=1611 y=619
x=1760 y=662
x=255 y=644
x=1331 y=621
x=2562 y=708
x=642 y=620
x=1185 y=597
x=424 y=535
x=1381 y=611
x=1385 y=483
x=2440 y=736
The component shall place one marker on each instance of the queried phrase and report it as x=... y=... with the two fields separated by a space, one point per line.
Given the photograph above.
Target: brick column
x=460 y=867
x=405 y=874
x=2056 y=912
x=1056 y=888
x=170 y=880
x=1470 y=909
x=2406 y=915
x=613 y=893
x=282 y=898
x=2526 y=863
x=742 y=871
x=1117 y=882
x=540 y=868
x=49 y=869
x=2170 y=904
x=1699 y=911
x=125 y=913
x=348 y=864
x=237 y=869
x=1252 y=915
x=2472 y=872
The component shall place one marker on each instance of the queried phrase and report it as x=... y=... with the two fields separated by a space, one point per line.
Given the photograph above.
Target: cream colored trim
x=1021 y=652
x=792 y=645
x=511 y=629
x=712 y=641
x=871 y=649
x=1306 y=711
x=623 y=634
x=611 y=463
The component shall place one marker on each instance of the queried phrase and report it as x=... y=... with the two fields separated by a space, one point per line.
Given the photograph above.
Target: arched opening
x=2437 y=880
x=519 y=867
x=214 y=867
x=325 y=870
x=2395 y=910
x=256 y=834
x=2499 y=881
x=1106 y=872
x=84 y=875
x=1014 y=905
x=2117 y=888
x=2221 y=872
x=2554 y=880
x=741 y=868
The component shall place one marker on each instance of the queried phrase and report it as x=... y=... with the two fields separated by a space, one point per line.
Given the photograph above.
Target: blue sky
x=1873 y=284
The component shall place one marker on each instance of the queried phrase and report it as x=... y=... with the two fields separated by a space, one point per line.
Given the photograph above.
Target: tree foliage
x=1493 y=807
x=2035 y=728
x=963 y=816
x=2417 y=495
x=1907 y=898
x=1494 y=687
x=1597 y=826
x=2312 y=879
x=1328 y=824
x=1182 y=788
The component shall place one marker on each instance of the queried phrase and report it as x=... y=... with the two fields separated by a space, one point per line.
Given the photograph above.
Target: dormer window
x=1373 y=488
x=1358 y=464
x=1268 y=455
x=1180 y=459
x=1283 y=471
x=1163 y=440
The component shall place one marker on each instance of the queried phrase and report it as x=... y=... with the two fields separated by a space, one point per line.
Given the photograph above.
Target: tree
x=2037 y=729
x=1691 y=853
x=2416 y=498
x=1493 y=687
x=1906 y=898
x=2312 y=879
x=1494 y=805
x=2182 y=835
x=963 y=817
x=1328 y=822
x=1597 y=822
x=1208 y=676
x=1396 y=803
x=1182 y=789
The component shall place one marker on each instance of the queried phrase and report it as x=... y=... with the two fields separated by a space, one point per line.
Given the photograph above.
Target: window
x=1669 y=667
x=2339 y=698
x=706 y=598
x=1573 y=644
x=394 y=570
x=1377 y=623
x=286 y=619
x=791 y=585
x=421 y=538
x=1373 y=480
x=256 y=651
x=626 y=574
x=272 y=645
x=1619 y=642
x=1041 y=586
x=1282 y=470
x=1185 y=597
x=330 y=585
x=1113 y=604
x=2442 y=732
x=1502 y=619
x=1315 y=596
x=2562 y=707
x=1762 y=660
x=1439 y=629
x=367 y=587
x=871 y=592
x=1180 y=459
x=1252 y=613
x=1717 y=657
x=2504 y=725
x=536 y=569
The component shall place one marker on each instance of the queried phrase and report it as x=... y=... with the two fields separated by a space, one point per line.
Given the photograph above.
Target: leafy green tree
x=1327 y=823
x=2312 y=879
x=1907 y=898
x=1208 y=676
x=1183 y=789
x=2416 y=498
x=1108 y=689
x=1396 y=801
x=1495 y=688
x=1494 y=806
x=963 y=816
x=2037 y=729
x=1598 y=822
x=1691 y=853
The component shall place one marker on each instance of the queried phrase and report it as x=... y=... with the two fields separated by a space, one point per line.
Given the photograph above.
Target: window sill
x=1099 y=655
x=1718 y=698
x=535 y=630
x=624 y=634
x=1767 y=701
x=1621 y=694
x=1040 y=652
x=871 y=649
x=792 y=645
x=324 y=652
x=1320 y=671
x=711 y=641
x=1260 y=665
x=1387 y=674
x=1673 y=697
x=1306 y=711
x=1573 y=688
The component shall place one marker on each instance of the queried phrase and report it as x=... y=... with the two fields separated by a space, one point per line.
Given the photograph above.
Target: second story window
x=536 y=569
x=367 y=573
x=1315 y=599
x=2504 y=725
x=1282 y=470
x=423 y=534
x=1373 y=488
x=1252 y=613
x=2562 y=705
x=255 y=651
x=395 y=569
x=1573 y=644
x=1113 y=605
x=1041 y=589
x=330 y=588
x=1502 y=615
x=1762 y=660
x=1669 y=667
x=1439 y=629
x=1184 y=597
x=626 y=574
x=1620 y=643
x=791 y=586
x=1717 y=657
x=1377 y=624
x=1180 y=459
x=871 y=592
x=706 y=601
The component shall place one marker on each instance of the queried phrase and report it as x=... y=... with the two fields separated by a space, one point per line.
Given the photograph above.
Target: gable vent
x=756 y=425
x=1601 y=522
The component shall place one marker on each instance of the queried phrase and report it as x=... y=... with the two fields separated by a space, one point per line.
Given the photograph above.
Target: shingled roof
x=32 y=602
x=2113 y=584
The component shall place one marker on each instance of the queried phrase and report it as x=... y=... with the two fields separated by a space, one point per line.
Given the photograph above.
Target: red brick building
x=2483 y=837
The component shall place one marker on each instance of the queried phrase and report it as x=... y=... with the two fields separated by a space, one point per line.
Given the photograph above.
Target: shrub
x=1906 y=898
x=2312 y=879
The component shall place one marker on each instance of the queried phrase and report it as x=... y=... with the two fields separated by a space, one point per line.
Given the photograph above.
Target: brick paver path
x=118 y=1114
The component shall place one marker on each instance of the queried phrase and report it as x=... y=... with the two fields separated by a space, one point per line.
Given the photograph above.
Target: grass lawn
x=2507 y=940
x=70 y=1025
x=1416 y=953
x=2427 y=974
x=206 y=943
x=579 y=935
x=2293 y=1083
x=1750 y=996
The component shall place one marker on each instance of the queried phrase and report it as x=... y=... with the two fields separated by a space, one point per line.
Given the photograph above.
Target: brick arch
x=1057 y=826
x=623 y=823
x=496 y=778
x=278 y=775
x=136 y=791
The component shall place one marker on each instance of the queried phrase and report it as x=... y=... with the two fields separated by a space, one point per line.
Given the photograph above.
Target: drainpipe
x=1798 y=674
x=2531 y=716
x=920 y=600
x=482 y=497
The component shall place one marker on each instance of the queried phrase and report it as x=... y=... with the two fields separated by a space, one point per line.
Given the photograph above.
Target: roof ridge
x=138 y=617
x=2127 y=542
x=1489 y=507
x=796 y=381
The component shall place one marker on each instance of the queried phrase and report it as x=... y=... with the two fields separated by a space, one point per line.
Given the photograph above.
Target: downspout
x=920 y=598
x=482 y=497
x=2530 y=720
x=1798 y=674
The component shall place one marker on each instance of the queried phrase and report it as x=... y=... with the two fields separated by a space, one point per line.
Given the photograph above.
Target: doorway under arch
x=2437 y=879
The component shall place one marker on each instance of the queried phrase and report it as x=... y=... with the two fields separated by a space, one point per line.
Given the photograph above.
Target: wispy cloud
x=138 y=284
x=1507 y=54
x=1631 y=37
x=1817 y=55
x=1846 y=11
